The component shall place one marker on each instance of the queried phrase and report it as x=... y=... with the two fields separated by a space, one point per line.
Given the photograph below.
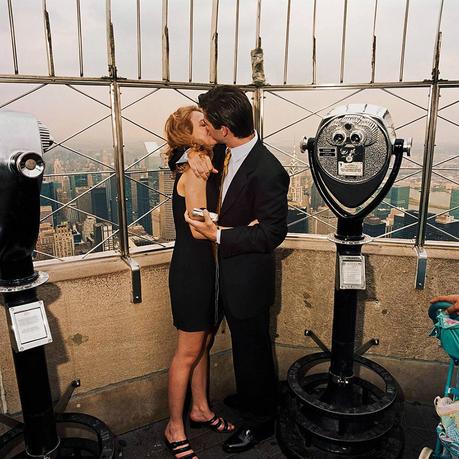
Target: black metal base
x=296 y=443
x=104 y=447
x=326 y=418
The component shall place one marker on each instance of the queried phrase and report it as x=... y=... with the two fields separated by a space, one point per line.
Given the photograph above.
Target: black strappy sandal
x=212 y=425
x=178 y=447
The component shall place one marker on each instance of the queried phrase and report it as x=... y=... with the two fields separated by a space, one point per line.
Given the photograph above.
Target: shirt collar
x=240 y=152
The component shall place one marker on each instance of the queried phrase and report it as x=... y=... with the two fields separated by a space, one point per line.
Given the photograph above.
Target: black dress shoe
x=246 y=438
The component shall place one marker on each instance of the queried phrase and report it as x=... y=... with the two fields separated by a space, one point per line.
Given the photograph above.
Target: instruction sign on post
x=352 y=272
x=29 y=326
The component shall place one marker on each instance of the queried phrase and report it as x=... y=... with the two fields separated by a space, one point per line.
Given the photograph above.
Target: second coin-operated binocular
x=23 y=140
x=351 y=154
x=354 y=158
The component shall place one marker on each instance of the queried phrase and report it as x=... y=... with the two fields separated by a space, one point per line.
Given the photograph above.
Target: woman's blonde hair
x=179 y=131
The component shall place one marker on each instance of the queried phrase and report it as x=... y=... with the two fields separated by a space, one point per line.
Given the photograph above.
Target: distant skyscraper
x=166 y=186
x=156 y=221
x=84 y=202
x=153 y=182
x=99 y=202
x=45 y=242
x=143 y=205
x=325 y=223
x=63 y=242
x=103 y=232
x=49 y=189
x=454 y=202
x=400 y=197
x=374 y=226
x=87 y=232
x=295 y=215
x=45 y=216
x=77 y=181
x=316 y=199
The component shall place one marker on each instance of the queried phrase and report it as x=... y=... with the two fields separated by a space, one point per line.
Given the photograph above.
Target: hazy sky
x=65 y=111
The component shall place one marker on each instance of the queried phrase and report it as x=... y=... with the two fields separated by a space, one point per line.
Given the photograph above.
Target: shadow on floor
x=418 y=421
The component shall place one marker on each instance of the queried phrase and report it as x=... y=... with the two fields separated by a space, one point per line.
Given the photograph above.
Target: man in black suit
x=253 y=185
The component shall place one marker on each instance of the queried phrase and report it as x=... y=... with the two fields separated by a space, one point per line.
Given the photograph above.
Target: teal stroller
x=446 y=329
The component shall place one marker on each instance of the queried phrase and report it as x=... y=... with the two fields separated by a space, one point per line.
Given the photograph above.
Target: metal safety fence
x=136 y=187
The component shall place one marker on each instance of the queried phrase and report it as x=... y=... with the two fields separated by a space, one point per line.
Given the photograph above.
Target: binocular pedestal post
x=40 y=419
x=34 y=391
x=325 y=415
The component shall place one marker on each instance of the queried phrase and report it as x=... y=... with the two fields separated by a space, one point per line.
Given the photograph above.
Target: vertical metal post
x=48 y=40
x=373 y=50
x=13 y=37
x=118 y=150
x=287 y=34
x=190 y=49
x=139 y=43
x=405 y=27
x=257 y=26
x=165 y=42
x=314 y=44
x=214 y=43
x=343 y=43
x=236 y=43
x=429 y=150
x=80 y=37
x=110 y=39
x=258 y=111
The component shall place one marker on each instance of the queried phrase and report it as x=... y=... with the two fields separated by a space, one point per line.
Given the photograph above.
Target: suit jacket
x=246 y=253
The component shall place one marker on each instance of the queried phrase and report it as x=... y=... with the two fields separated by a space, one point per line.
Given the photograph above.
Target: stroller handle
x=437 y=306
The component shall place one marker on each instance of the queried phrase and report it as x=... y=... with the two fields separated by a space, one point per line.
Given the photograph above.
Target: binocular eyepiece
x=29 y=164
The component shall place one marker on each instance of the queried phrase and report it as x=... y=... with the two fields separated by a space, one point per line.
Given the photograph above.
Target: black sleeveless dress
x=191 y=274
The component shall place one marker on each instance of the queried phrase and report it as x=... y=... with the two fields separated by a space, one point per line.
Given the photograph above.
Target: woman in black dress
x=192 y=288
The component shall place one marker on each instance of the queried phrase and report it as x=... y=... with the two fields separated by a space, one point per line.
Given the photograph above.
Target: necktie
x=215 y=245
x=224 y=174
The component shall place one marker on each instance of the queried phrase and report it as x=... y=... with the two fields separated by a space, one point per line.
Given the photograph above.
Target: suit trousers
x=256 y=380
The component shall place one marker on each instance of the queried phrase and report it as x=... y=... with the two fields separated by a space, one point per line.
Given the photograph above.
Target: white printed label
x=30 y=325
x=350 y=169
x=352 y=272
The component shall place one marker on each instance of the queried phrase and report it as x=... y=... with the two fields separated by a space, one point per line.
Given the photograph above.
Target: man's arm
x=271 y=209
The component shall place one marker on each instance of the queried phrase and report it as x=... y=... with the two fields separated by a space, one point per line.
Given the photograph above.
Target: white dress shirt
x=238 y=154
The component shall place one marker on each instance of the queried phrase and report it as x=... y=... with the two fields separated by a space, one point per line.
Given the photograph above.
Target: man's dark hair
x=228 y=106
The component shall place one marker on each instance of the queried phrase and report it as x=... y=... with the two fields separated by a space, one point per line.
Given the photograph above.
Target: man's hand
x=207 y=228
x=200 y=164
x=453 y=299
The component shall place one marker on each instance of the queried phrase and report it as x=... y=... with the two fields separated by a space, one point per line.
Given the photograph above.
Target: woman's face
x=200 y=131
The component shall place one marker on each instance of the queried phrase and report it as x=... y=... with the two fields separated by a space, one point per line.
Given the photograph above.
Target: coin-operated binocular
x=23 y=141
x=354 y=159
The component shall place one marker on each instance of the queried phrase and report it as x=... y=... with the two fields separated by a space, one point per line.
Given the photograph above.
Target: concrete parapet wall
x=121 y=351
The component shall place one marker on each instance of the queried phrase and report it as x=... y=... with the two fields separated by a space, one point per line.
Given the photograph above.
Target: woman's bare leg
x=200 y=410
x=189 y=347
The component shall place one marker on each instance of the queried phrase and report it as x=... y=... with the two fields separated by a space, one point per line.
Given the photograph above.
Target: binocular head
x=23 y=140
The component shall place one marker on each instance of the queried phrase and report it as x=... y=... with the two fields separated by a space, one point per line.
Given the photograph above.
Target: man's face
x=220 y=135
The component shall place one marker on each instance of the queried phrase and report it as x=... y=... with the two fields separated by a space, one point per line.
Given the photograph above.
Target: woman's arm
x=195 y=196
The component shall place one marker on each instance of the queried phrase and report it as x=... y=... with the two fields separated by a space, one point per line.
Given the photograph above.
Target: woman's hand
x=453 y=299
x=254 y=222
x=200 y=164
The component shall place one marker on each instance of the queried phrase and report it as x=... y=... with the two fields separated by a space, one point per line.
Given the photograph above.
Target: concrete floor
x=418 y=421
